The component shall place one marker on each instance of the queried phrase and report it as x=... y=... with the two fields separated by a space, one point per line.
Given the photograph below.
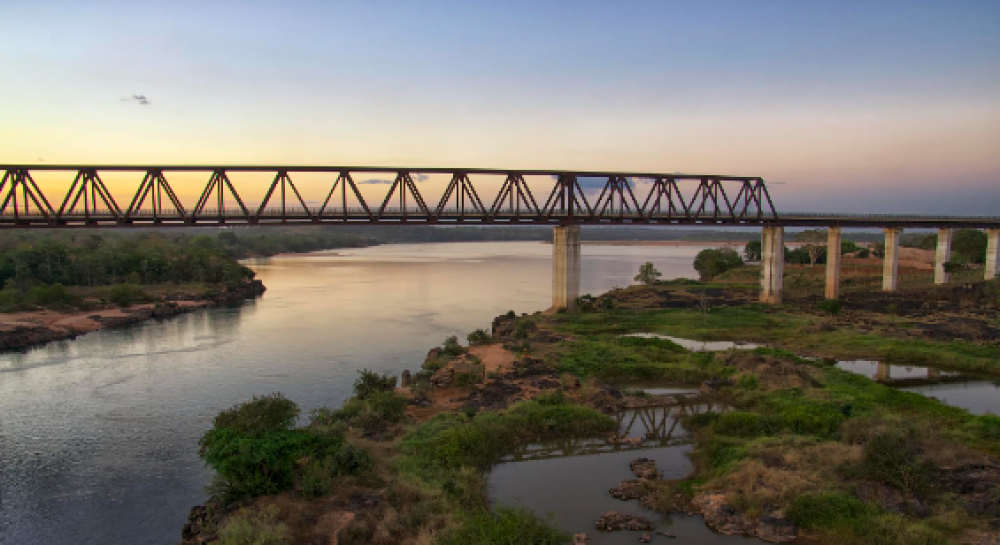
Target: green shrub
x=47 y=295
x=830 y=306
x=504 y=526
x=125 y=295
x=712 y=262
x=815 y=510
x=451 y=348
x=250 y=527
x=255 y=451
x=892 y=457
x=12 y=298
x=479 y=336
x=262 y=413
x=370 y=382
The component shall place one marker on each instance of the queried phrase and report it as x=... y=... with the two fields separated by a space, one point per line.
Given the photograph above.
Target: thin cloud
x=141 y=99
x=375 y=181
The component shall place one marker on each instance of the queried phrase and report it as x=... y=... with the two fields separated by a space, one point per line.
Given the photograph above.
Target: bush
x=712 y=262
x=504 y=526
x=125 y=295
x=479 y=336
x=451 y=347
x=826 y=509
x=830 y=306
x=255 y=451
x=47 y=295
x=370 y=382
x=262 y=413
x=249 y=527
x=892 y=457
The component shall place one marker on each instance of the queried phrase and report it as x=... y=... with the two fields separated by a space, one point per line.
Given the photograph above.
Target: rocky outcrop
x=614 y=521
x=644 y=468
x=628 y=490
x=722 y=517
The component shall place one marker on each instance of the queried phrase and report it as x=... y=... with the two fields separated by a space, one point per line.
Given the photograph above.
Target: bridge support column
x=882 y=372
x=992 y=253
x=565 y=266
x=943 y=255
x=890 y=266
x=833 y=263
x=772 y=265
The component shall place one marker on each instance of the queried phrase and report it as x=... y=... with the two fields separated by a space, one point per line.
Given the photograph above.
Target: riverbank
x=797 y=455
x=22 y=330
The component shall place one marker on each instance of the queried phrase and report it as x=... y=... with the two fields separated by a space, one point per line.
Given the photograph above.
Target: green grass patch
x=615 y=358
x=504 y=526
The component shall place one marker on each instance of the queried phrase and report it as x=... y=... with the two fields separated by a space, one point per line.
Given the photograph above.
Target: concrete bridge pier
x=772 y=265
x=890 y=267
x=943 y=255
x=992 y=253
x=833 y=263
x=565 y=266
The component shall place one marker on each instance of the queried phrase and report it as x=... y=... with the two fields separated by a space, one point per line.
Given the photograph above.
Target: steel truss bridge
x=682 y=199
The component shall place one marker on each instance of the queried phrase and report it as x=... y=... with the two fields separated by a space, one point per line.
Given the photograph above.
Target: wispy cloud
x=141 y=99
x=375 y=181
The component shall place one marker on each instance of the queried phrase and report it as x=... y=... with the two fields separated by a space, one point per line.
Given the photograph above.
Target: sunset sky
x=867 y=106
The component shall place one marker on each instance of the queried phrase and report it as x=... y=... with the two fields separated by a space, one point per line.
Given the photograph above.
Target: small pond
x=697 y=346
x=569 y=480
x=976 y=394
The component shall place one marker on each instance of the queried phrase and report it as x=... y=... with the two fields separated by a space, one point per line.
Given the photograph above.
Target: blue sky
x=887 y=106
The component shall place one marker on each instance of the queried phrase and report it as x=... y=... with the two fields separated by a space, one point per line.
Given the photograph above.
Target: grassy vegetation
x=256 y=450
x=796 y=332
x=616 y=358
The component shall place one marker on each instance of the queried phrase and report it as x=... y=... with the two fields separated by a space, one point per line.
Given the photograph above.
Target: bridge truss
x=670 y=198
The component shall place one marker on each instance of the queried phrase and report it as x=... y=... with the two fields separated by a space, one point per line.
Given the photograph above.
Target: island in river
x=799 y=449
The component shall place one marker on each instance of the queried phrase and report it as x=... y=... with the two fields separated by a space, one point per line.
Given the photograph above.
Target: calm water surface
x=98 y=436
x=568 y=480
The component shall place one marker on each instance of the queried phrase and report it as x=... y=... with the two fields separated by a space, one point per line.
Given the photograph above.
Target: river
x=98 y=435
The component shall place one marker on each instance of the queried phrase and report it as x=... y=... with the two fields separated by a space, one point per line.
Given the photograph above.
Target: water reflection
x=570 y=480
x=972 y=393
x=98 y=435
x=697 y=346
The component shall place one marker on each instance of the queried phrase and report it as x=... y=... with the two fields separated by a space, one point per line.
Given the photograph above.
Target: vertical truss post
x=154 y=185
x=284 y=180
x=343 y=180
x=515 y=190
x=89 y=186
x=405 y=184
x=218 y=183
x=567 y=195
x=665 y=187
x=463 y=190
x=30 y=193
x=620 y=187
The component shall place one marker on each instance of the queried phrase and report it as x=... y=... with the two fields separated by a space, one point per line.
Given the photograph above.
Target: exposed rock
x=644 y=468
x=607 y=400
x=881 y=494
x=613 y=521
x=627 y=490
x=494 y=395
x=405 y=378
x=715 y=383
x=580 y=539
x=773 y=527
x=646 y=538
x=459 y=365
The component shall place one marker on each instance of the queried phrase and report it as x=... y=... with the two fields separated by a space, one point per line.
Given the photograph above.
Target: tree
x=647 y=274
x=814 y=246
x=752 y=250
x=712 y=262
x=970 y=244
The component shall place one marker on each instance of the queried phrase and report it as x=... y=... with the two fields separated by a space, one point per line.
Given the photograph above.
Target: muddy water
x=569 y=480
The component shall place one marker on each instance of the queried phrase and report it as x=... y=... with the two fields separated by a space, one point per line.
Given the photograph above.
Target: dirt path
x=495 y=358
